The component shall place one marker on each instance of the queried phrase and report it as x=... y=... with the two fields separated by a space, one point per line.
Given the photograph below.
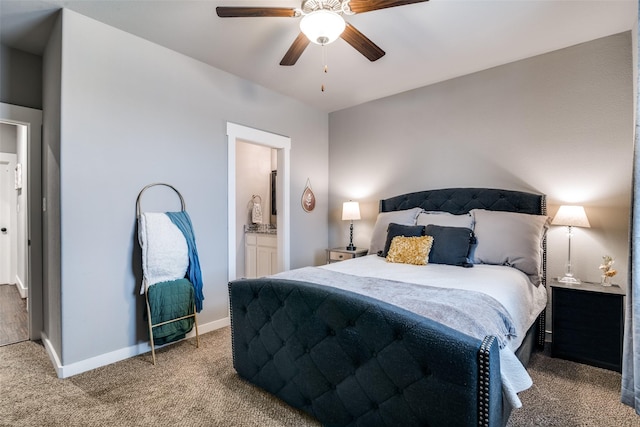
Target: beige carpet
x=567 y=394
x=198 y=387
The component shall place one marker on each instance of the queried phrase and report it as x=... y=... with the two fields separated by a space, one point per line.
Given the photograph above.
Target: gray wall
x=133 y=113
x=20 y=78
x=559 y=124
x=8 y=138
x=51 y=256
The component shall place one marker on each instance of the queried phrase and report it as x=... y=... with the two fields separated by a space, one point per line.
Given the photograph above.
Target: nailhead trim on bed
x=484 y=382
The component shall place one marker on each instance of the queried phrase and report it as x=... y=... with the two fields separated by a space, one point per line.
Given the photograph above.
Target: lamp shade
x=350 y=211
x=322 y=26
x=572 y=216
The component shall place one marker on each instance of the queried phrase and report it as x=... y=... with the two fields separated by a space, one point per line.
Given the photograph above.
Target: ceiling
x=424 y=43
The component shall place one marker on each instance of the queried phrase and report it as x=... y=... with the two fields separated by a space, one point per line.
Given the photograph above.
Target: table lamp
x=571 y=216
x=350 y=211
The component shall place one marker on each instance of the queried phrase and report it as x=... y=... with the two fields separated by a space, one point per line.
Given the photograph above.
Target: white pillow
x=509 y=238
x=445 y=219
x=379 y=235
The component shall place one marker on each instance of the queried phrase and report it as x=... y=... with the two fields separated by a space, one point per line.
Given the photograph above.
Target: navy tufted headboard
x=462 y=200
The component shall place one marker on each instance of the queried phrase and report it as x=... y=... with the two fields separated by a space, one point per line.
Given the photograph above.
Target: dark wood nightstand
x=340 y=254
x=587 y=324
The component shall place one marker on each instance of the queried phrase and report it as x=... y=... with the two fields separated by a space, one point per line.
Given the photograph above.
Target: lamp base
x=351 y=248
x=569 y=279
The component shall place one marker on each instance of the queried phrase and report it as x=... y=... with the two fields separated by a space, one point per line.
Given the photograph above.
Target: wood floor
x=13 y=316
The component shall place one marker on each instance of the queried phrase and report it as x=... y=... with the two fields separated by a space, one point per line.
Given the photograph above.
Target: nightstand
x=587 y=324
x=340 y=254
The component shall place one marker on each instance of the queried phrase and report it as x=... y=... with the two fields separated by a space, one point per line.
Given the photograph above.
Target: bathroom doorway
x=282 y=146
x=22 y=297
x=256 y=228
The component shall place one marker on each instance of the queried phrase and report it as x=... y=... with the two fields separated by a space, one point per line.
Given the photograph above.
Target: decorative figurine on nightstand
x=607 y=270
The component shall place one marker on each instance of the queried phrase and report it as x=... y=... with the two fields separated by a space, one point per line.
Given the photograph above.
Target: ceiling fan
x=321 y=23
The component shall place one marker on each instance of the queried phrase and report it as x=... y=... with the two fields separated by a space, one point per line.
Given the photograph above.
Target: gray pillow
x=445 y=219
x=509 y=238
x=379 y=235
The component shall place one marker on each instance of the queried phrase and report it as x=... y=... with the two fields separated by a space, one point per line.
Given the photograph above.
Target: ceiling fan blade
x=361 y=43
x=360 y=6
x=250 y=12
x=297 y=47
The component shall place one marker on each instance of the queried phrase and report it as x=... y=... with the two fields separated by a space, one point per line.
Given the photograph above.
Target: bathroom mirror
x=274 y=209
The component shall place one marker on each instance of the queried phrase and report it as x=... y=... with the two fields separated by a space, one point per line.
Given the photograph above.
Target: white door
x=8 y=200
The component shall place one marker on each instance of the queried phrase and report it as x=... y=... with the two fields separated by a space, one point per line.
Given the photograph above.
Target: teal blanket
x=170 y=300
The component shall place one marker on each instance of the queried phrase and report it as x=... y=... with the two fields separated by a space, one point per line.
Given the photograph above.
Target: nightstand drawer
x=339 y=254
x=587 y=325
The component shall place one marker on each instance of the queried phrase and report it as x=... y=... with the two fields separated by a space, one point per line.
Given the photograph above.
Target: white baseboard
x=65 y=371
x=22 y=289
x=53 y=356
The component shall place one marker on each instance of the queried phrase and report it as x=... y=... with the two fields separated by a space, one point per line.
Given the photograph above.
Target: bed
x=365 y=342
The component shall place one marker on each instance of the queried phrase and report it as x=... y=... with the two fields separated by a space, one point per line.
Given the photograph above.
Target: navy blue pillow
x=451 y=245
x=394 y=230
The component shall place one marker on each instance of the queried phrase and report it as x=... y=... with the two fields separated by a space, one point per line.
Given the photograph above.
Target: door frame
x=239 y=133
x=32 y=120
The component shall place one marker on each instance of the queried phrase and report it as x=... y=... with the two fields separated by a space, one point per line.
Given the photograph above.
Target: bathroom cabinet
x=260 y=255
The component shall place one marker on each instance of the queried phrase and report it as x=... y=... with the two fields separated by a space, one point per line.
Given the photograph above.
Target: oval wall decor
x=308 y=198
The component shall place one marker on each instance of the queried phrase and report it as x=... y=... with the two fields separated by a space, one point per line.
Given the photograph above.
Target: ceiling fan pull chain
x=325 y=67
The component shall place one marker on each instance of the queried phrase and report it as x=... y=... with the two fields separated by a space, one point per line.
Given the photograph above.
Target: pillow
x=400 y=230
x=379 y=235
x=410 y=250
x=451 y=245
x=444 y=219
x=509 y=238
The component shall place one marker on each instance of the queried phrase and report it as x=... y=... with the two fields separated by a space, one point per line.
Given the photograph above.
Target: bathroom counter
x=261 y=229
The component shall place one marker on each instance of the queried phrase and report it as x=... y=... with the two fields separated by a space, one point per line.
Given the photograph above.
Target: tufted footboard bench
x=350 y=360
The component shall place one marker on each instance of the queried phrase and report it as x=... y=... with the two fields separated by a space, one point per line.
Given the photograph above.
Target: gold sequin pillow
x=410 y=250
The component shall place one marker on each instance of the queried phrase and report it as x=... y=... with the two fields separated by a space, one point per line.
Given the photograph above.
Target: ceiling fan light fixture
x=322 y=26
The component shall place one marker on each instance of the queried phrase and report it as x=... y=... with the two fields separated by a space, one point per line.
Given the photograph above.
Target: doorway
x=8 y=221
x=282 y=144
x=27 y=207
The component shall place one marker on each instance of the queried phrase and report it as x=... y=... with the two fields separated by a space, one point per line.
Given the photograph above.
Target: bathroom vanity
x=260 y=253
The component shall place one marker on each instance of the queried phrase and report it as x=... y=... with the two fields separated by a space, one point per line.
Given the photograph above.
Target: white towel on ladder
x=256 y=213
x=165 y=254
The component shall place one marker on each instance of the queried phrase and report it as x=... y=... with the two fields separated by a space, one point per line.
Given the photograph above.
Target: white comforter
x=507 y=285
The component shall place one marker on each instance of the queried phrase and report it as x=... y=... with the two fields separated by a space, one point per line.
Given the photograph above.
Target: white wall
x=133 y=113
x=560 y=124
